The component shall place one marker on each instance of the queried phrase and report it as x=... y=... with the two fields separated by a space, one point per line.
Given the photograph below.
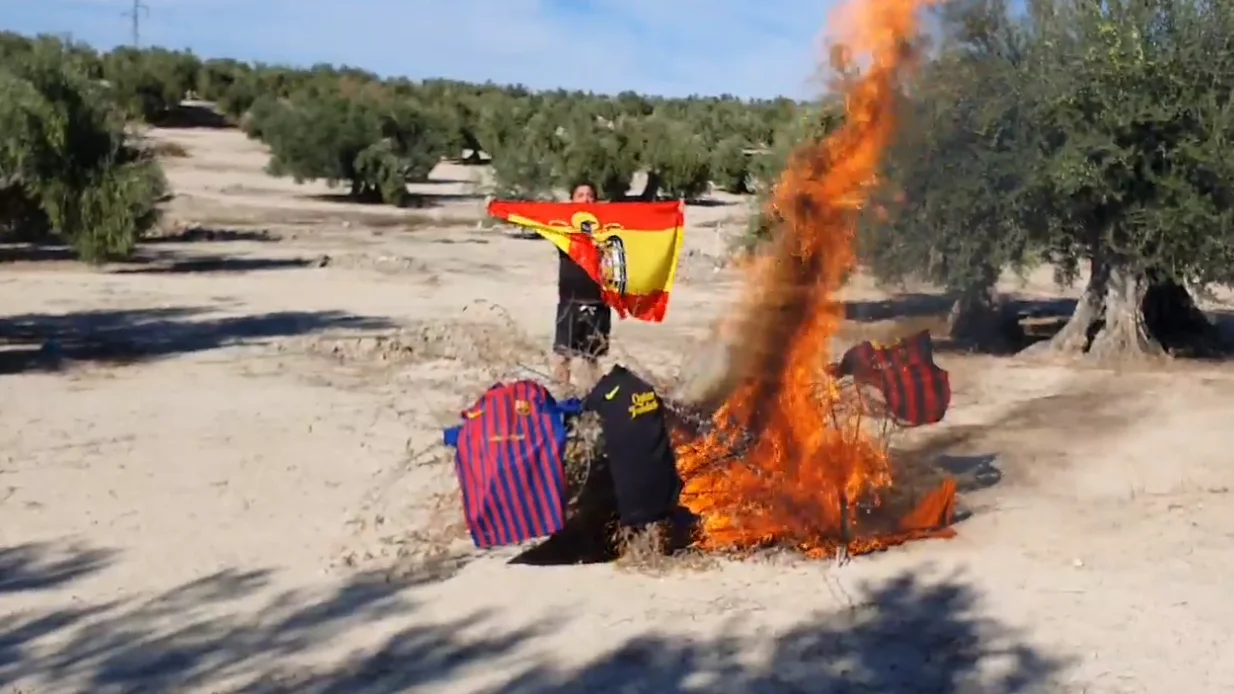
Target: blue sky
x=751 y=48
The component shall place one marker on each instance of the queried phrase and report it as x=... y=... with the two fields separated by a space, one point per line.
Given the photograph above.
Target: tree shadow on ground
x=232 y=632
x=176 y=263
x=35 y=253
x=1018 y=445
x=1223 y=321
x=192 y=116
x=206 y=635
x=42 y=341
x=447 y=182
x=918 y=304
x=972 y=473
x=415 y=201
x=921 y=304
x=909 y=635
x=1025 y=321
x=466 y=241
x=150 y=258
x=924 y=467
x=45 y=565
x=197 y=234
x=907 y=305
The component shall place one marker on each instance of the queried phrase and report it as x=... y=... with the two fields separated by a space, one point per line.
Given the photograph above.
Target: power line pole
x=135 y=15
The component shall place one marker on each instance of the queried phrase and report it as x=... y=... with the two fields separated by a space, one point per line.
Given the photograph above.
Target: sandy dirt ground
x=219 y=473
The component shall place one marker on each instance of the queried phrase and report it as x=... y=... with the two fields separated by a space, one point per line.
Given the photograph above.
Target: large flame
x=787 y=460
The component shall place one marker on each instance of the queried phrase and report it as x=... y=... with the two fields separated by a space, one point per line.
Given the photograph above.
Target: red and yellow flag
x=629 y=248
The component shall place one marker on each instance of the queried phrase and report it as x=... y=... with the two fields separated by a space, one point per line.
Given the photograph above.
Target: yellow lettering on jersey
x=642 y=403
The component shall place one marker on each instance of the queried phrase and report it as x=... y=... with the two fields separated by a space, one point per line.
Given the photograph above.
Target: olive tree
x=676 y=158
x=952 y=210
x=374 y=143
x=1137 y=178
x=67 y=167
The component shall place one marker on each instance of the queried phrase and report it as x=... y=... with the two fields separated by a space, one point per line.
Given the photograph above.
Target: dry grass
x=424 y=542
x=429 y=541
x=480 y=347
x=654 y=550
x=491 y=348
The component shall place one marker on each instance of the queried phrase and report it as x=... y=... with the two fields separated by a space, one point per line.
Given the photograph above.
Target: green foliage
x=810 y=124
x=598 y=151
x=677 y=159
x=1083 y=134
x=767 y=162
x=538 y=142
x=522 y=168
x=1134 y=110
x=66 y=167
x=732 y=165
x=953 y=210
x=354 y=134
x=149 y=84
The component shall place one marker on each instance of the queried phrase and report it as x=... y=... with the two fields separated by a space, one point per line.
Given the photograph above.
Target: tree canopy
x=1093 y=136
x=67 y=168
x=348 y=126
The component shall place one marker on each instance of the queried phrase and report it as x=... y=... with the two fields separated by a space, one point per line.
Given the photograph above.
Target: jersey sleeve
x=449 y=437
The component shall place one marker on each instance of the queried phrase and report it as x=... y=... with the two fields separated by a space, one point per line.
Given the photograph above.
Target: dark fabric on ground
x=637 y=444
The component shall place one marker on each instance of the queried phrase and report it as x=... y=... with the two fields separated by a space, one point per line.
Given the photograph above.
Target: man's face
x=583 y=194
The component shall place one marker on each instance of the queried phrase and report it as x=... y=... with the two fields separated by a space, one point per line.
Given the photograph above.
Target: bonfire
x=791 y=457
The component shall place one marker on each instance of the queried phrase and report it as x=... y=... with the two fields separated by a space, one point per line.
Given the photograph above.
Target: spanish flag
x=629 y=248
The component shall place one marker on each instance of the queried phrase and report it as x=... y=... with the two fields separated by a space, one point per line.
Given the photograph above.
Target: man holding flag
x=583 y=320
x=613 y=257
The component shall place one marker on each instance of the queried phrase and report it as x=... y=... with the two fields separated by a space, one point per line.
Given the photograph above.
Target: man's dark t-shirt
x=637 y=444
x=574 y=285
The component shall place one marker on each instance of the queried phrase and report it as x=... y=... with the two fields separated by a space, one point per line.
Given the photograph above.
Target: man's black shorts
x=582 y=329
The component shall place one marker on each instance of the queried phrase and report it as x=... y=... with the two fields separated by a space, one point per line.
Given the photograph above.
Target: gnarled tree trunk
x=1123 y=332
x=1124 y=314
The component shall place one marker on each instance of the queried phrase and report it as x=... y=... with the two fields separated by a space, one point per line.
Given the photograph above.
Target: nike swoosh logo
x=612 y=393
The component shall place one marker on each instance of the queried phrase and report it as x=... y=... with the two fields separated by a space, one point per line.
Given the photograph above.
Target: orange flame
x=788 y=460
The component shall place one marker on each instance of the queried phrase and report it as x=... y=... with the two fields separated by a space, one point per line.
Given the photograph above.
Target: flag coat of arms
x=915 y=389
x=630 y=249
x=509 y=462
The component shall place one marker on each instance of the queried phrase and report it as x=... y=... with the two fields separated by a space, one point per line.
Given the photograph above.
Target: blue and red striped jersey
x=510 y=463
